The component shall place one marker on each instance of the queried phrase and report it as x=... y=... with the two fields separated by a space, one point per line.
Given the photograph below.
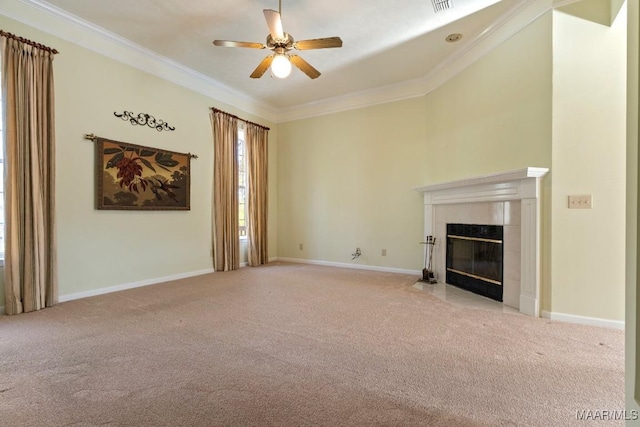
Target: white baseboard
x=583 y=320
x=108 y=290
x=345 y=265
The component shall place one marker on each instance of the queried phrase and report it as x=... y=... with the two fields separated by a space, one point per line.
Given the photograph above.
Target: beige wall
x=495 y=115
x=589 y=104
x=345 y=181
x=99 y=249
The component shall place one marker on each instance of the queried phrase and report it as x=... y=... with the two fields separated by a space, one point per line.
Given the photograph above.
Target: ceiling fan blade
x=229 y=43
x=304 y=66
x=262 y=67
x=324 y=43
x=274 y=23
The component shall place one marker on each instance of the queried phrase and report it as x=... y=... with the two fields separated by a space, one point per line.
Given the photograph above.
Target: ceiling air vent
x=440 y=5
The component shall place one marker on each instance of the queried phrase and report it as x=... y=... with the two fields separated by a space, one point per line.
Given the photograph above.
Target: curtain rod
x=216 y=110
x=95 y=138
x=29 y=42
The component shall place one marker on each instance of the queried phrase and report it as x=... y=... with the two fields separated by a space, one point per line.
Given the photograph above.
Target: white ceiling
x=384 y=43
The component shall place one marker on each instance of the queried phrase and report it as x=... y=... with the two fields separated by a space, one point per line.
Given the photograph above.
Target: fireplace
x=474 y=258
x=510 y=199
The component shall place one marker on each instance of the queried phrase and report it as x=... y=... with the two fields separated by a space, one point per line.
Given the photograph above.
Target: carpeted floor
x=300 y=345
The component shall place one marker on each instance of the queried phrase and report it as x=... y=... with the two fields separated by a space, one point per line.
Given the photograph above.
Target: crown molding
x=523 y=14
x=55 y=21
x=561 y=3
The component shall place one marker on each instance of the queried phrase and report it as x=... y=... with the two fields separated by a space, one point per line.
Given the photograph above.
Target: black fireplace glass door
x=474 y=258
x=487 y=260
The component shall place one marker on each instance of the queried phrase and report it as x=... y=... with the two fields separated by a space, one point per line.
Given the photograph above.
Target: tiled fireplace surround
x=510 y=199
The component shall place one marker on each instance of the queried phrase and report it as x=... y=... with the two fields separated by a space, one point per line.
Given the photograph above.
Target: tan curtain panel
x=256 y=139
x=29 y=160
x=226 y=240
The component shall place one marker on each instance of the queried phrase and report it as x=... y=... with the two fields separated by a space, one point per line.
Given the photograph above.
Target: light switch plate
x=580 y=202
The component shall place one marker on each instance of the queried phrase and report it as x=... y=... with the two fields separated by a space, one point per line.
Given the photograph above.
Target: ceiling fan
x=281 y=43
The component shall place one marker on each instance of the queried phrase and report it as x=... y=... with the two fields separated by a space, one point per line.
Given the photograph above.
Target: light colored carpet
x=299 y=345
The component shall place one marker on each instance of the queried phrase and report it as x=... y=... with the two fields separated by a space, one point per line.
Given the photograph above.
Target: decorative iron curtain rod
x=214 y=109
x=94 y=138
x=29 y=42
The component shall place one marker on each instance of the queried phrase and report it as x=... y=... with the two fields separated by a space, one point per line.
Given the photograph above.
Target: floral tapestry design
x=141 y=178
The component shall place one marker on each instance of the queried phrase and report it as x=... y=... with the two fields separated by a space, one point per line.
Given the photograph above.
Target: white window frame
x=242 y=182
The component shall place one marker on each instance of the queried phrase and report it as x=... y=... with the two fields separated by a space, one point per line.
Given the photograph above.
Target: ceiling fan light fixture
x=281 y=66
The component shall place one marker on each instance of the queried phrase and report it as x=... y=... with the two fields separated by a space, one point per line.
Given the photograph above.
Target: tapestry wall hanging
x=141 y=178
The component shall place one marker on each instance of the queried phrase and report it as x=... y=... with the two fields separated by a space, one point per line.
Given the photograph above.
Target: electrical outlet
x=301 y=247
x=384 y=252
x=580 y=202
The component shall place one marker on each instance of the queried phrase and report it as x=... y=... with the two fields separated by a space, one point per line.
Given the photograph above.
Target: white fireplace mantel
x=521 y=184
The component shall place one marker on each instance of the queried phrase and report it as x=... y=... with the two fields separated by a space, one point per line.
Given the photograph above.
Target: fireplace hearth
x=474 y=258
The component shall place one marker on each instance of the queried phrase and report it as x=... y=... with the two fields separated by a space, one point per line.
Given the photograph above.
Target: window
x=242 y=183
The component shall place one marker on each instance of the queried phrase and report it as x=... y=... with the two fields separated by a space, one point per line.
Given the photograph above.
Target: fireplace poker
x=427 y=273
x=432 y=243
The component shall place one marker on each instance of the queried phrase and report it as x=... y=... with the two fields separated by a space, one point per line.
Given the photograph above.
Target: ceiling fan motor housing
x=286 y=43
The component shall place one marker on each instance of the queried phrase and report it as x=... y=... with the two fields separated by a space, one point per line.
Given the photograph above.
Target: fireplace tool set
x=427 y=271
